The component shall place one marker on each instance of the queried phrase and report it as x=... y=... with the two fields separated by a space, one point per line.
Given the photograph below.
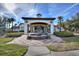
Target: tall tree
x=39 y=15
x=60 y=18
x=73 y=24
x=9 y=22
x=2 y=24
x=12 y=20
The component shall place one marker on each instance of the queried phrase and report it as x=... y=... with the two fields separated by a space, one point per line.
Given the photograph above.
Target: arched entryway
x=39 y=27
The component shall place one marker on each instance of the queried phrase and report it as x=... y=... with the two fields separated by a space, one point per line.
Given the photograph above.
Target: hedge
x=14 y=34
x=63 y=34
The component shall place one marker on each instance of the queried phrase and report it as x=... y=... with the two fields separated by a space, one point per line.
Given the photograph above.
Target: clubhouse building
x=38 y=25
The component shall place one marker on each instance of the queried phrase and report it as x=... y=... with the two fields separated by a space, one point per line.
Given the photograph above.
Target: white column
x=33 y=29
x=52 y=28
x=44 y=29
x=25 y=28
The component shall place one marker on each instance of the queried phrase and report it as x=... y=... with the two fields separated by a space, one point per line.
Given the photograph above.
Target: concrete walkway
x=54 y=39
x=24 y=41
x=38 y=48
x=37 y=51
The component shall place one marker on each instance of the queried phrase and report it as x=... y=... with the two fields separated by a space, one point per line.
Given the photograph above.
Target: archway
x=39 y=27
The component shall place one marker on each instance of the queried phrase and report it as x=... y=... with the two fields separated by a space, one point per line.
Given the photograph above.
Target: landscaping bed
x=14 y=34
x=12 y=50
x=70 y=42
x=64 y=34
x=60 y=47
x=5 y=40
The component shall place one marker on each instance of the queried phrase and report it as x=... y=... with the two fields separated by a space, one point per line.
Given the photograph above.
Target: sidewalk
x=37 y=51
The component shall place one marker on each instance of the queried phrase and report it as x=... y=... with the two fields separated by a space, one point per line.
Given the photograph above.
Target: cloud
x=67 y=11
x=69 y=8
x=26 y=9
x=32 y=12
x=18 y=10
x=10 y=6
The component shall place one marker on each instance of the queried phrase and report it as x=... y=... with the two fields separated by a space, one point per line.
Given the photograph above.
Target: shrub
x=14 y=34
x=21 y=31
x=63 y=34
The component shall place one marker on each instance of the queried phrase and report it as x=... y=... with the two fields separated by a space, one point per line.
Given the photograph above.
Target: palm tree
x=9 y=22
x=60 y=18
x=2 y=25
x=77 y=16
x=39 y=15
x=12 y=20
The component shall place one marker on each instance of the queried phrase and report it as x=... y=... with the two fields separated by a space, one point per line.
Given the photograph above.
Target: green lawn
x=70 y=43
x=12 y=50
x=5 y=40
x=71 y=39
x=58 y=47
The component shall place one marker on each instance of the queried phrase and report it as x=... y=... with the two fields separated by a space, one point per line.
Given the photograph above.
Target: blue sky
x=18 y=10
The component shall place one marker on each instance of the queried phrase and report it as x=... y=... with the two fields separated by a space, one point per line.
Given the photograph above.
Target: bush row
x=63 y=34
x=14 y=34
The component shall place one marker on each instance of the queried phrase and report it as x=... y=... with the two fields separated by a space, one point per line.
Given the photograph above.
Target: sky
x=49 y=10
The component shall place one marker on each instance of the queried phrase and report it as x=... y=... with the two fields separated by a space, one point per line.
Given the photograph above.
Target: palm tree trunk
x=60 y=25
x=9 y=25
x=12 y=26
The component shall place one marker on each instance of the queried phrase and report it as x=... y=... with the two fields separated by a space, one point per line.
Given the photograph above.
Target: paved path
x=54 y=39
x=38 y=48
x=37 y=51
x=24 y=41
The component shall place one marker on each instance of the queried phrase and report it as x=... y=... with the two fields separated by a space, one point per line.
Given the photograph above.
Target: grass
x=60 y=47
x=5 y=40
x=12 y=50
x=71 y=39
x=70 y=43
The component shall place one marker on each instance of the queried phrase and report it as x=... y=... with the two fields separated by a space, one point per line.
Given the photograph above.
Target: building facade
x=42 y=25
